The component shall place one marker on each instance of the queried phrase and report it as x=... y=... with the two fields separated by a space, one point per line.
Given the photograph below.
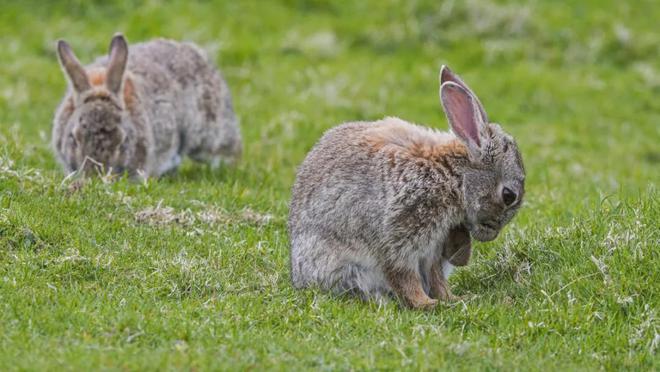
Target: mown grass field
x=191 y=271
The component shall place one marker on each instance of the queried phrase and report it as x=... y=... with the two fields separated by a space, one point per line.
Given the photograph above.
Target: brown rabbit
x=389 y=207
x=142 y=108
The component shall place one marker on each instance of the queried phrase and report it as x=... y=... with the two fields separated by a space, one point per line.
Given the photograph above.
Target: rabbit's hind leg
x=311 y=259
x=327 y=263
x=407 y=285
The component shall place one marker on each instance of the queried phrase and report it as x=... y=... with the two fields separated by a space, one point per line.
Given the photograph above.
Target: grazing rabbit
x=388 y=207
x=142 y=108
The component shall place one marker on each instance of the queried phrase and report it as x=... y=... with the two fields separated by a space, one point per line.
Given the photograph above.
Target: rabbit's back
x=161 y=62
x=359 y=167
x=187 y=100
x=338 y=175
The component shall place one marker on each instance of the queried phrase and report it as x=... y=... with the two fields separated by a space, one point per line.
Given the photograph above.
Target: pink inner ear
x=459 y=107
x=447 y=75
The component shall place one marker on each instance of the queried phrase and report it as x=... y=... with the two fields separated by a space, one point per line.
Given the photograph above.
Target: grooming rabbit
x=142 y=108
x=388 y=207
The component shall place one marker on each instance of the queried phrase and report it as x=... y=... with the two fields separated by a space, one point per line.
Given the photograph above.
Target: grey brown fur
x=388 y=207
x=141 y=109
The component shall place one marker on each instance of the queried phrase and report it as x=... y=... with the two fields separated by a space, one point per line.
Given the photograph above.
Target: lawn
x=191 y=271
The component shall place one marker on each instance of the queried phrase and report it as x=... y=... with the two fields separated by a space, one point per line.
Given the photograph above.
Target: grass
x=191 y=271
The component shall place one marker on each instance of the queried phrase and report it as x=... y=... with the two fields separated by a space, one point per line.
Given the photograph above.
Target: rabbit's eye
x=508 y=196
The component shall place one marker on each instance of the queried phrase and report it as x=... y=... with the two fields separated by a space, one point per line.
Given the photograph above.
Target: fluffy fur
x=141 y=109
x=388 y=207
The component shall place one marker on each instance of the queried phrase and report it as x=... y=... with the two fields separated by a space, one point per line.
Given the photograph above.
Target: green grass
x=89 y=279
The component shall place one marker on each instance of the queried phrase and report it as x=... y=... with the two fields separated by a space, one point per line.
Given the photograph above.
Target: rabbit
x=388 y=208
x=141 y=109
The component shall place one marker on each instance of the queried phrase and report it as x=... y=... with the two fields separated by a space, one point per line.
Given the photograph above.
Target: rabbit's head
x=96 y=122
x=494 y=179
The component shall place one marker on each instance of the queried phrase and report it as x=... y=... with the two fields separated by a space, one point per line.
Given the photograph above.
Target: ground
x=191 y=271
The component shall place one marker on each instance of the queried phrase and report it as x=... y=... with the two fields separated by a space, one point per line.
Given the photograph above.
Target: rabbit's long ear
x=447 y=75
x=462 y=111
x=117 y=63
x=74 y=71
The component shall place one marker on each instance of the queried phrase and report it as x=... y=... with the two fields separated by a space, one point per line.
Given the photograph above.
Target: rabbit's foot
x=407 y=285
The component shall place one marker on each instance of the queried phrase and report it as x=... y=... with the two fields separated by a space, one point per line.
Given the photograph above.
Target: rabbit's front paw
x=440 y=286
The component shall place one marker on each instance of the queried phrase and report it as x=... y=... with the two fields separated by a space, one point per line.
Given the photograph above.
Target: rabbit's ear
x=72 y=67
x=463 y=114
x=117 y=63
x=447 y=75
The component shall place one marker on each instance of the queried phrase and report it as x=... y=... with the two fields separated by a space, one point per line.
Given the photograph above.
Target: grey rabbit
x=388 y=207
x=141 y=109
